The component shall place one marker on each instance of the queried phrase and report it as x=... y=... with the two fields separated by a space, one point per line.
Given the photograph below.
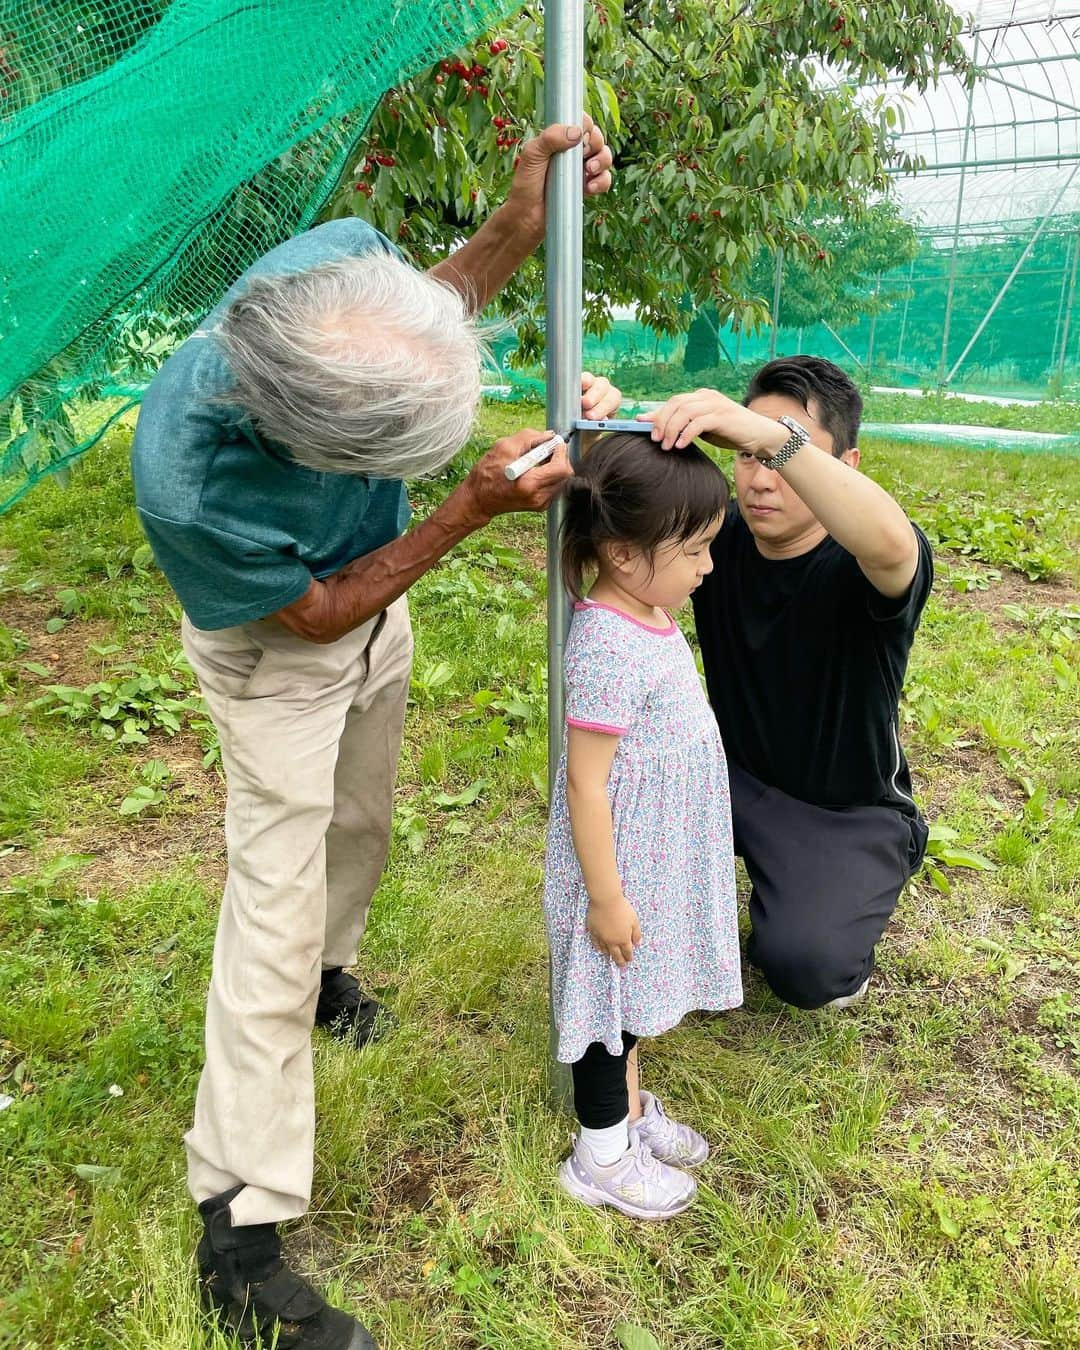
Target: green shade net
x=149 y=152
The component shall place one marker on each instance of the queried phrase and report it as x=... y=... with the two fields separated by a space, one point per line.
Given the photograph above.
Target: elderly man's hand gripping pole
x=481 y=267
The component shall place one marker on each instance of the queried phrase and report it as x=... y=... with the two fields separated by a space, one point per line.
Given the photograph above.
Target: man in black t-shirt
x=805 y=626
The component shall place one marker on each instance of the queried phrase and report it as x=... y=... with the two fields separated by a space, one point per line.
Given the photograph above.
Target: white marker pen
x=533 y=457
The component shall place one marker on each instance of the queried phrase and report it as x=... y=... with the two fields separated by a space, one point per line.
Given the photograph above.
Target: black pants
x=824 y=884
x=600 y=1096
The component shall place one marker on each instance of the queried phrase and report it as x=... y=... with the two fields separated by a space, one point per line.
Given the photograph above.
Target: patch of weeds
x=971 y=580
x=130 y=705
x=151 y=791
x=13 y=642
x=1060 y=1015
x=1042 y=1086
x=921 y=709
x=1003 y=536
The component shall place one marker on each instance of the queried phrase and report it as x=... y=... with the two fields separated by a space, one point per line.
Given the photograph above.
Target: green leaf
x=938 y=879
x=635 y=1338
x=964 y=857
x=54 y=625
x=96 y=1175
x=946 y=1222
x=464 y=798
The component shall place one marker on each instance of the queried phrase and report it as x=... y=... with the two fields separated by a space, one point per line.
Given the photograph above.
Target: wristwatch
x=794 y=443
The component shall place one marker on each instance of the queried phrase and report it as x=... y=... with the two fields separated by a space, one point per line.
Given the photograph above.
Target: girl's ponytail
x=578 y=550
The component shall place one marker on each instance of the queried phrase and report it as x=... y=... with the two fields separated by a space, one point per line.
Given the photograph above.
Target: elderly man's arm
x=334 y=606
x=860 y=515
x=481 y=267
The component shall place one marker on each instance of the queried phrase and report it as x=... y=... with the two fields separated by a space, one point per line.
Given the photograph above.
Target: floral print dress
x=671 y=811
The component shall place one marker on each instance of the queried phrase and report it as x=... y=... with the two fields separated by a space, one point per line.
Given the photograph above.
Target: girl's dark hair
x=627 y=490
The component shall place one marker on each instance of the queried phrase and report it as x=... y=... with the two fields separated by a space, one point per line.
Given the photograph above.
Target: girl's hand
x=614 y=929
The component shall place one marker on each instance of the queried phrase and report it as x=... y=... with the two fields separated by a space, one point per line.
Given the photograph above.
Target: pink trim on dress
x=596 y=726
x=597 y=604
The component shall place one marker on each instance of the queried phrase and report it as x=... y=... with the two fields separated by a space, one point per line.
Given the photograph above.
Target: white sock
x=609 y=1144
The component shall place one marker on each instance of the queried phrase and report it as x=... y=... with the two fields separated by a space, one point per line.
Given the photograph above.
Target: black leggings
x=600 y=1096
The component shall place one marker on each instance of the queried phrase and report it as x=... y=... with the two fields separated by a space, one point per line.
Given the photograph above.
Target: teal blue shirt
x=237 y=527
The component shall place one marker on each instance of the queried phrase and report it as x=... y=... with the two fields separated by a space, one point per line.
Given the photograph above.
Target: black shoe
x=344 y=1011
x=254 y=1295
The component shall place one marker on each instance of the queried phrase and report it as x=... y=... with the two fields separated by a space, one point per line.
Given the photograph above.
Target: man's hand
x=599 y=397
x=614 y=929
x=491 y=493
x=526 y=198
x=719 y=420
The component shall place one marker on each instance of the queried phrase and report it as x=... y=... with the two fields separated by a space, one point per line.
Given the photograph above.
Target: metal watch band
x=795 y=442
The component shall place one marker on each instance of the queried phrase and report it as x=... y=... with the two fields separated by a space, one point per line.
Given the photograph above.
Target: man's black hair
x=837 y=403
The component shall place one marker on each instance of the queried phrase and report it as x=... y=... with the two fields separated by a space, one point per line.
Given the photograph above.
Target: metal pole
x=873 y=326
x=1010 y=278
x=1061 y=300
x=903 y=320
x=841 y=343
x=1068 y=317
x=564 y=101
x=778 y=279
x=564 y=98
x=956 y=226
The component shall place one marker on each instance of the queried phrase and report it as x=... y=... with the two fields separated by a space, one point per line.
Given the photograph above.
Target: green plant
x=973 y=581
x=942 y=850
x=151 y=792
x=131 y=705
x=1008 y=536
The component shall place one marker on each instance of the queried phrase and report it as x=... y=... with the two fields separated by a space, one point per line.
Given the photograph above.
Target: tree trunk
x=702 y=352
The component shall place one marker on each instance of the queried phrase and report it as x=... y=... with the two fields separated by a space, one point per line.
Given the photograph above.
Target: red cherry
x=472 y=195
x=477 y=70
x=499 y=45
x=439 y=79
x=693 y=216
x=444 y=66
x=482 y=90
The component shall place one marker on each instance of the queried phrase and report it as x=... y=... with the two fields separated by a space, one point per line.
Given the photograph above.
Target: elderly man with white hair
x=269 y=461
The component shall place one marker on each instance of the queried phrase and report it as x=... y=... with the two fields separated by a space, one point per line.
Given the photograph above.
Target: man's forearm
x=860 y=515
x=482 y=266
x=364 y=587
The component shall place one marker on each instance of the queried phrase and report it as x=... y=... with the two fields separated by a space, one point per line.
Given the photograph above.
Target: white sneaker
x=637 y=1183
x=678 y=1145
x=849 y=999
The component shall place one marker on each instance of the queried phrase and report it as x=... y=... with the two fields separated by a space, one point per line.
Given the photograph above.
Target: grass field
x=901 y=1175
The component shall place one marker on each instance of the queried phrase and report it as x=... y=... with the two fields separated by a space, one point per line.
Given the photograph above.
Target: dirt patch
x=67 y=653
x=1011 y=588
x=938 y=782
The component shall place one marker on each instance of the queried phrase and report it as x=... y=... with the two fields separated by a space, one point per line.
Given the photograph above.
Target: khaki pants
x=310 y=737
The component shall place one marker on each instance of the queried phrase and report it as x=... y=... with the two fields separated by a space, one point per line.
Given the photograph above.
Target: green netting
x=149 y=152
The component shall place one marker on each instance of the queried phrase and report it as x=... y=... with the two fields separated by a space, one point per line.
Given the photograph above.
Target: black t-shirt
x=804 y=663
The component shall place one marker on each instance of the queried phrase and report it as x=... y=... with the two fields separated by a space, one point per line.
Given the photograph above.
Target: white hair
x=364 y=365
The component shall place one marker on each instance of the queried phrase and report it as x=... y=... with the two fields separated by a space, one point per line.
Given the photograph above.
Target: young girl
x=639 y=892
